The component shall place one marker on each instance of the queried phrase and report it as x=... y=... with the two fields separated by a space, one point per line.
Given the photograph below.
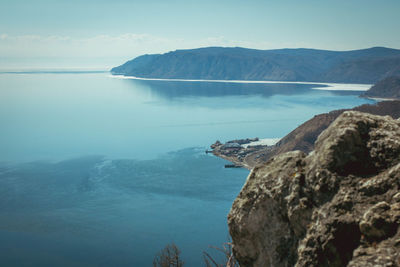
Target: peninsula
x=235 y=63
x=247 y=154
x=388 y=88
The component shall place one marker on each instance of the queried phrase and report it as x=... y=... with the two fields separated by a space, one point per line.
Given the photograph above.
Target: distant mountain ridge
x=236 y=63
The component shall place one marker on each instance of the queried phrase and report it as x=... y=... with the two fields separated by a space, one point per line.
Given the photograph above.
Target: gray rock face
x=337 y=206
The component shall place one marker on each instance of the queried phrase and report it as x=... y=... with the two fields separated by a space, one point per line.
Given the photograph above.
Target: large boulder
x=337 y=206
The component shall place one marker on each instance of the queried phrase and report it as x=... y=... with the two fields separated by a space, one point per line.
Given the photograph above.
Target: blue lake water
x=99 y=171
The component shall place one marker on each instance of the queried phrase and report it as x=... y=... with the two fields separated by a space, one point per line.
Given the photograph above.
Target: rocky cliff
x=303 y=137
x=337 y=206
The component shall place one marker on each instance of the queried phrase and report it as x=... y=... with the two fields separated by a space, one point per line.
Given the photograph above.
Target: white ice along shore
x=318 y=85
x=263 y=142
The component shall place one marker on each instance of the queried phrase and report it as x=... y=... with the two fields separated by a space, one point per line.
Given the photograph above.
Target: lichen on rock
x=337 y=206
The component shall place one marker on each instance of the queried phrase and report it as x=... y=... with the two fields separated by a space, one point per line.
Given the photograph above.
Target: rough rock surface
x=337 y=206
x=303 y=137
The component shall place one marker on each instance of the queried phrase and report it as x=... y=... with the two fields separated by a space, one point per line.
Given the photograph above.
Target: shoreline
x=325 y=86
x=301 y=138
x=243 y=152
x=381 y=98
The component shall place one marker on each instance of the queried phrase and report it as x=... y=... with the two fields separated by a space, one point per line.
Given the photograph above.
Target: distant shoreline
x=381 y=98
x=325 y=86
x=53 y=72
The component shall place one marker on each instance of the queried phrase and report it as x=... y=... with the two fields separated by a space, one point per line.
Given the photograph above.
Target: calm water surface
x=99 y=171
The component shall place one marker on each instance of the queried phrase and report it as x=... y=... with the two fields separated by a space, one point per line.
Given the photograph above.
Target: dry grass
x=228 y=261
x=168 y=257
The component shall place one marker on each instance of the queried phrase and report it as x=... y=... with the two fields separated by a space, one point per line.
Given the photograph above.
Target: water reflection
x=174 y=89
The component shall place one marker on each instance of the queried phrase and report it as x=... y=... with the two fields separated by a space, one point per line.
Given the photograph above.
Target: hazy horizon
x=100 y=34
x=64 y=64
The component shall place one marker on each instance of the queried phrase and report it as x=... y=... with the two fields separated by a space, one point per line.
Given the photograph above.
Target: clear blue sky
x=102 y=33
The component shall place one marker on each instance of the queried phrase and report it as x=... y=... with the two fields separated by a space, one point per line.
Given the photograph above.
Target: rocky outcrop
x=303 y=137
x=337 y=206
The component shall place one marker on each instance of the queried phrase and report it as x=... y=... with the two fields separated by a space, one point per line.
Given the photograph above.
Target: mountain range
x=236 y=63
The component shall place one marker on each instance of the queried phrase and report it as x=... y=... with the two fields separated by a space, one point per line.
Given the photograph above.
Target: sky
x=100 y=34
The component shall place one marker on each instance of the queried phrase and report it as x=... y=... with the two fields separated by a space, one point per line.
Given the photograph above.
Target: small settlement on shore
x=242 y=152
